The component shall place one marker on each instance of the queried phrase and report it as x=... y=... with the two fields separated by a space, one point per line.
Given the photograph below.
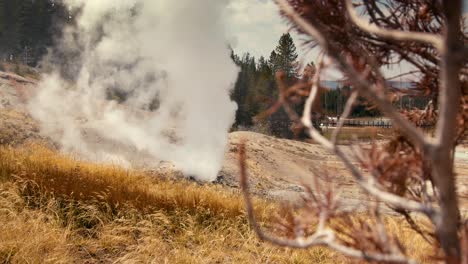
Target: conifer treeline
x=27 y=28
x=256 y=90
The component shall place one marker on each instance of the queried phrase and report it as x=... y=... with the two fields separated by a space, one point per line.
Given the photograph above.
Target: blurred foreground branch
x=397 y=174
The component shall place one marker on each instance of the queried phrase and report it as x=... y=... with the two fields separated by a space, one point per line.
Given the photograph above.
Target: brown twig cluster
x=414 y=173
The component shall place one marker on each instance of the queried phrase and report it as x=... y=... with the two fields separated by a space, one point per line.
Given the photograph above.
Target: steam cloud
x=123 y=58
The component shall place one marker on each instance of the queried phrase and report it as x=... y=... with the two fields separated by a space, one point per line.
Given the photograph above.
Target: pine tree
x=252 y=104
x=273 y=61
x=266 y=85
x=286 y=56
x=262 y=65
x=241 y=88
x=253 y=89
x=283 y=58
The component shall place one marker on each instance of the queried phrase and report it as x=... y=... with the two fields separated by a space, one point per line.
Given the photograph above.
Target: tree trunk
x=443 y=154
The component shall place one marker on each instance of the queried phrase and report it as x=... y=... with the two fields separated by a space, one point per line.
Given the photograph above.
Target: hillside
x=55 y=208
x=278 y=167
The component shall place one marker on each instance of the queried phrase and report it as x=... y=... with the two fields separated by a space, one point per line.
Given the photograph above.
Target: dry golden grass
x=29 y=236
x=56 y=209
x=42 y=169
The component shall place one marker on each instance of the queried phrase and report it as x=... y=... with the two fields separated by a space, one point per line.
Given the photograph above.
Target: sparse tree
x=428 y=35
x=285 y=56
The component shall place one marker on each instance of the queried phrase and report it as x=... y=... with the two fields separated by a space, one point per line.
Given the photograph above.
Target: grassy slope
x=55 y=209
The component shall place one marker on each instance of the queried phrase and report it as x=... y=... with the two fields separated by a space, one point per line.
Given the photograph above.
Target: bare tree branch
x=392 y=34
x=367 y=183
x=413 y=147
x=346 y=113
x=442 y=155
x=401 y=75
x=374 y=93
x=322 y=237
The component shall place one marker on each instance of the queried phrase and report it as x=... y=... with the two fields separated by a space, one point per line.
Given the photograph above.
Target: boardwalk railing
x=381 y=122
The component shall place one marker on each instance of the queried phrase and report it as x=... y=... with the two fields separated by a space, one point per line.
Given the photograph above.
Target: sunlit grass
x=63 y=176
x=57 y=209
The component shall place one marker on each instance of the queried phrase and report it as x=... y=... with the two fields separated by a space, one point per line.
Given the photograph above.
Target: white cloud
x=254 y=26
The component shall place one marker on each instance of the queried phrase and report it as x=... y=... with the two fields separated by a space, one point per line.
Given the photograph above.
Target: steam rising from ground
x=123 y=58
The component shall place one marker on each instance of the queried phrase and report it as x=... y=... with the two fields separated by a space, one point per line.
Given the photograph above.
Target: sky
x=255 y=26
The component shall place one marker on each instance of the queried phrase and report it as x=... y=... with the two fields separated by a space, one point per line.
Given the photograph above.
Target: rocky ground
x=278 y=168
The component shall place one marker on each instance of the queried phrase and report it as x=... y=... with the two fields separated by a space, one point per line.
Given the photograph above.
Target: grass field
x=56 y=209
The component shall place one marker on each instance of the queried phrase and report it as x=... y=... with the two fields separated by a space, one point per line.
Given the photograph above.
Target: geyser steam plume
x=122 y=59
